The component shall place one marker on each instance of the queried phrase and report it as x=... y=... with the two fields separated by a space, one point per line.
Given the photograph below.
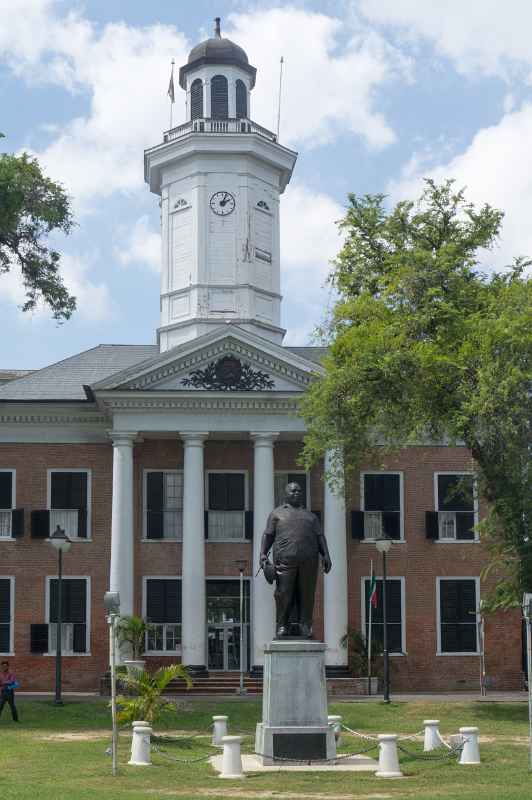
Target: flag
x=373 y=591
x=171 y=93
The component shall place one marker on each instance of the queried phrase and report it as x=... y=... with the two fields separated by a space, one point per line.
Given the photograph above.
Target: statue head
x=293 y=494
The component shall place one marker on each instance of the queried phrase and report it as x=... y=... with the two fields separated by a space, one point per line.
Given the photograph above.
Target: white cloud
x=142 y=246
x=484 y=36
x=496 y=168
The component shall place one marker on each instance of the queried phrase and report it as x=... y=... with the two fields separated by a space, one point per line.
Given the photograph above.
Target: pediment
x=222 y=361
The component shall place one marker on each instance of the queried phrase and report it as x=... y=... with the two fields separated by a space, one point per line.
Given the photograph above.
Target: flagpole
x=280 y=90
x=171 y=94
x=369 y=629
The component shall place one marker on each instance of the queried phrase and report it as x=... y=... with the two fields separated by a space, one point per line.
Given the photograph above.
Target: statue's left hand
x=327 y=564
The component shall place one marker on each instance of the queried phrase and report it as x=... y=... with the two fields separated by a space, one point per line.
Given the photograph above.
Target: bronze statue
x=298 y=542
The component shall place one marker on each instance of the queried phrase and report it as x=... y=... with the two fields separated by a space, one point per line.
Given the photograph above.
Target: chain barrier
x=453 y=751
x=156 y=749
x=375 y=738
x=310 y=761
x=443 y=742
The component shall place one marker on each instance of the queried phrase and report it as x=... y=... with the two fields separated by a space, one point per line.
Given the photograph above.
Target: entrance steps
x=216 y=683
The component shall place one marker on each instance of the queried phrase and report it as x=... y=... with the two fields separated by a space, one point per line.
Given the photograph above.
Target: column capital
x=124 y=438
x=263 y=438
x=193 y=438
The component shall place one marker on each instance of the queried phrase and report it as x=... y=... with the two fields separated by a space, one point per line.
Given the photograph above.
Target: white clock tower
x=220 y=177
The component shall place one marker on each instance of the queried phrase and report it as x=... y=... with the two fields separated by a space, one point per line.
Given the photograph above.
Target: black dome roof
x=217 y=50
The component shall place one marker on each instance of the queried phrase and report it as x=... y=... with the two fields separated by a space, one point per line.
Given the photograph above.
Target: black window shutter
x=163 y=600
x=5 y=638
x=249 y=525
x=219 y=106
x=382 y=492
x=432 y=530
x=78 y=490
x=5 y=601
x=172 y=591
x=154 y=524
x=6 y=486
x=73 y=600
x=38 y=638
x=206 y=524
x=357 y=525
x=241 y=99
x=82 y=523
x=301 y=480
x=155 y=600
x=235 y=491
x=218 y=491
x=196 y=99
x=17 y=523
x=391 y=524
x=155 y=505
x=40 y=524
x=79 y=643
x=68 y=490
x=464 y=525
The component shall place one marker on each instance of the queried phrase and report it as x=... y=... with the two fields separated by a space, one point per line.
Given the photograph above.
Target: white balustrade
x=388 y=757
x=432 y=738
x=232 y=758
x=219 y=730
x=141 y=745
x=471 y=751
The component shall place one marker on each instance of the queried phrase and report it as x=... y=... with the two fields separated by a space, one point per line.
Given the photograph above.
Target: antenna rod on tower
x=279 y=104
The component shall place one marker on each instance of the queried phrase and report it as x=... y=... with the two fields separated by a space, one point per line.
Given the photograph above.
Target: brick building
x=162 y=462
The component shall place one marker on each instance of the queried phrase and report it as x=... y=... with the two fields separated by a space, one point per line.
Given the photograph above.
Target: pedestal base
x=294 y=725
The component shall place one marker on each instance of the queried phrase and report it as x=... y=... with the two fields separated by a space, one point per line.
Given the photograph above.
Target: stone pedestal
x=294 y=723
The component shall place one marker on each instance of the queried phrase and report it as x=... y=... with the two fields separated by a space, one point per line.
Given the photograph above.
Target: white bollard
x=141 y=745
x=231 y=759
x=335 y=722
x=471 y=750
x=219 y=730
x=388 y=758
x=432 y=735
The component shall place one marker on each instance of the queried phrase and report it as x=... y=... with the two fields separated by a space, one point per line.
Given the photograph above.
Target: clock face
x=222 y=203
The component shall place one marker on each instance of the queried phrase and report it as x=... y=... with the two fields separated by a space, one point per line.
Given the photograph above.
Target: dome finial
x=217 y=28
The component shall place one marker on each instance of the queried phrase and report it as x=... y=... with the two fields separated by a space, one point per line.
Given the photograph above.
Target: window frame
x=13 y=472
x=475 y=578
x=144 y=606
x=296 y=472
x=11 y=579
x=47 y=597
x=401 y=500
x=243 y=472
x=461 y=473
x=389 y=578
x=88 y=472
x=145 y=537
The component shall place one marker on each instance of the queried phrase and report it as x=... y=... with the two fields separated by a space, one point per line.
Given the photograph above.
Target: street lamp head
x=383 y=545
x=527 y=605
x=111 y=601
x=60 y=540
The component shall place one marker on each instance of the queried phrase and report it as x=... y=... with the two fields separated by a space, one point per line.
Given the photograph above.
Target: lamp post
x=383 y=546
x=241 y=566
x=111 y=601
x=527 y=614
x=60 y=541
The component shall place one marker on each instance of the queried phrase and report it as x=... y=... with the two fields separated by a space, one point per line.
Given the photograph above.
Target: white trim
x=296 y=472
x=401 y=499
x=88 y=472
x=145 y=537
x=243 y=472
x=145 y=579
x=13 y=472
x=474 y=621
x=475 y=505
x=87 y=580
x=389 y=578
x=11 y=579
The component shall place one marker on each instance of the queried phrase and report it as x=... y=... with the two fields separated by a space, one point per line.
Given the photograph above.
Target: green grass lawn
x=59 y=754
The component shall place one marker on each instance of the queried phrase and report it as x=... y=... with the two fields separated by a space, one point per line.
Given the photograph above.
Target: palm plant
x=148 y=704
x=132 y=631
x=357 y=650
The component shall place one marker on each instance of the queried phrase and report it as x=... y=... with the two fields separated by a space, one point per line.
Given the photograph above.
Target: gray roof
x=65 y=379
x=217 y=50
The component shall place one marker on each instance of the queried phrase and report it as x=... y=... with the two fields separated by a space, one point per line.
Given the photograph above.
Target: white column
x=335 y=583
x=263 y=503
x=194 y=614
x=121 y=578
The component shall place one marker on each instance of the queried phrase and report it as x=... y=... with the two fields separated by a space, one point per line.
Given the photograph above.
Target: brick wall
x=418 y=560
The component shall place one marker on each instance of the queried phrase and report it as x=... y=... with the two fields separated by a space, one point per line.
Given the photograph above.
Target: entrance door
x=224 y=625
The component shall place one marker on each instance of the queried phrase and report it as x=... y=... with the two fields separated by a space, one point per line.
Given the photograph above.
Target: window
x=7 y=601
x=381 y=504
x=455 y=506
x=226 y=497
x=457 y=600
x=196 y=99
x=394 y=614
x=223 y=601
x=163 y=507
x=162 y=609
x=241 y=99
x=7 y=502
x=282 y=479
x=219 y=107
x=69 y=502
x=75 y=629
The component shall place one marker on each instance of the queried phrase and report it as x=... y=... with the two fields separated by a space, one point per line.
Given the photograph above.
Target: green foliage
x=357 y=654
x=148 y=704
x=31 y=208
x=424 y=347
x=132 y=631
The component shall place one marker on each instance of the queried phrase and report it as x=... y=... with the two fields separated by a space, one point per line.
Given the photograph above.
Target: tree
x=148 y=704
x=425 y=347
x=31 y=208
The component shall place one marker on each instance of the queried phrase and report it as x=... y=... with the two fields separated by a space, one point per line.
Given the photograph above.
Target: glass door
x=223 y=625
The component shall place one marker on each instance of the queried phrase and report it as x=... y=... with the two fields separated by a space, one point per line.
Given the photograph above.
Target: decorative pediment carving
x=228 y=374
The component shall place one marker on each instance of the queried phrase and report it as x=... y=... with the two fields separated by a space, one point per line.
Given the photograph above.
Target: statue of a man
x=298 y=542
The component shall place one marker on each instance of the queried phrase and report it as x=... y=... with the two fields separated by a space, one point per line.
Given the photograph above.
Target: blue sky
x=377 y=94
